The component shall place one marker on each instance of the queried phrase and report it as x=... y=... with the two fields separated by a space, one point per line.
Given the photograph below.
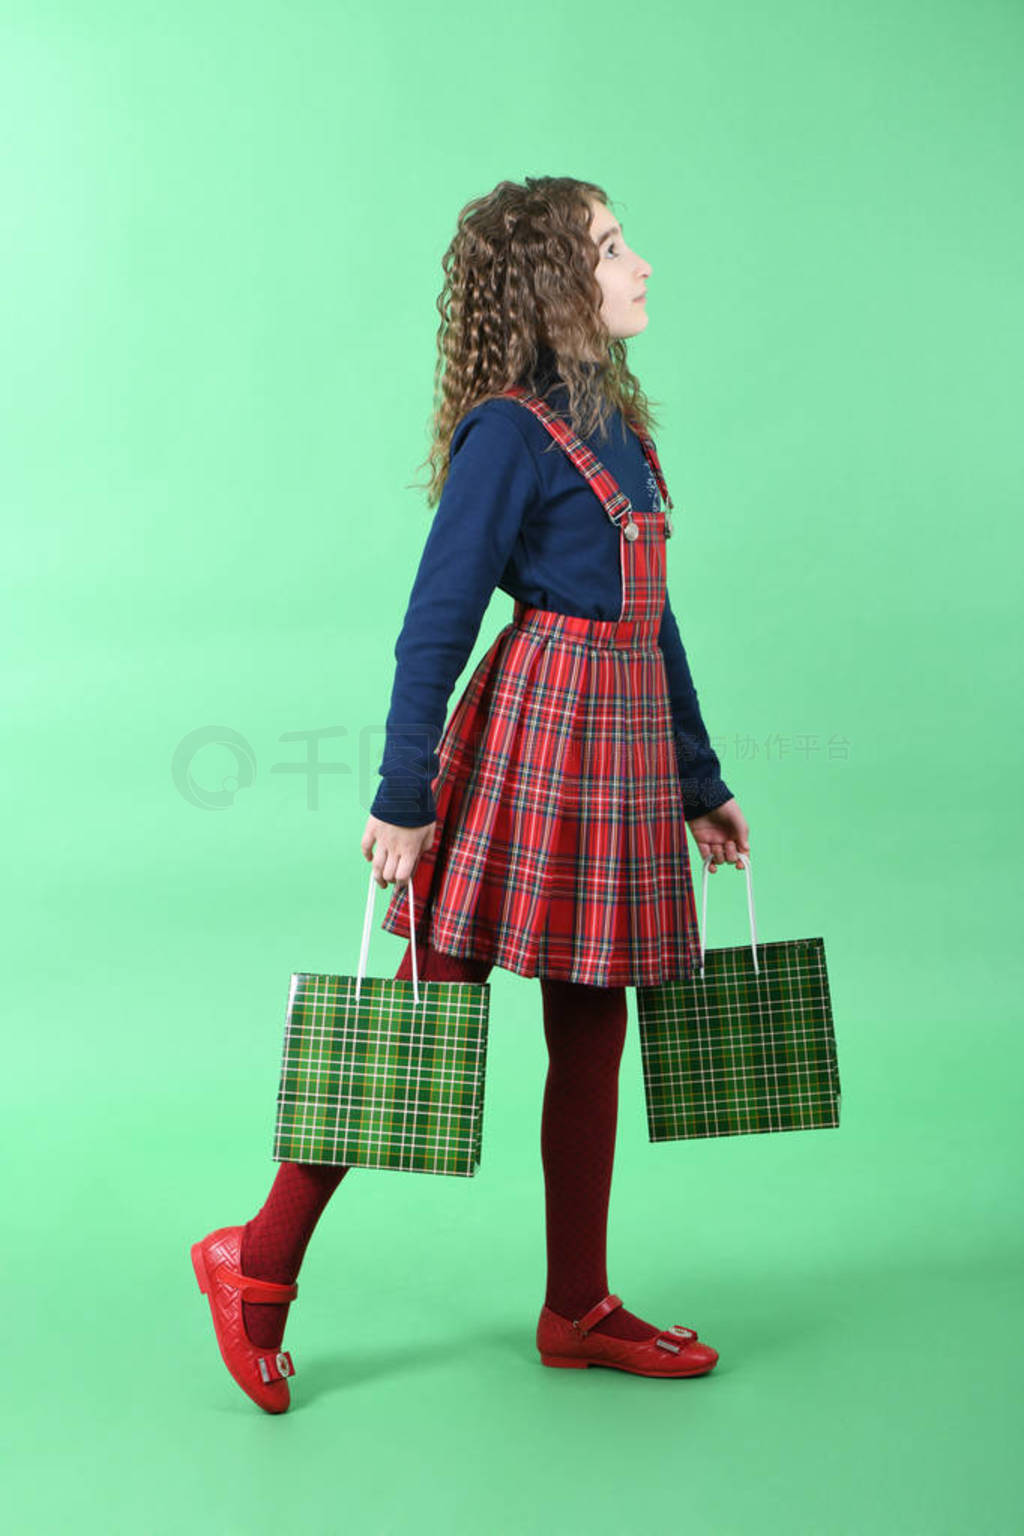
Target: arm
x=699 y=768
x=492 y=483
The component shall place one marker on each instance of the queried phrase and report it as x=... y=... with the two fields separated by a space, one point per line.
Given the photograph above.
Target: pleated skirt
x=560 y=845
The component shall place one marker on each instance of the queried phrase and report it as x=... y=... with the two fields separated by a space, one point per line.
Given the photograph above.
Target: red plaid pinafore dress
x=560 y=845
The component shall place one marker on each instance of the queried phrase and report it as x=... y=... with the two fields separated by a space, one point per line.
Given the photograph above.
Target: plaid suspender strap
x=615 y=502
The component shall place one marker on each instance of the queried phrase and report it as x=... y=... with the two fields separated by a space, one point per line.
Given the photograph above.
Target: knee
x=436 y=965
x=404 y=972
x=590 y=1022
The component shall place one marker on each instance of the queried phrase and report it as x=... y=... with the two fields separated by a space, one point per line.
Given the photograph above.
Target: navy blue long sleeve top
x=516 y=513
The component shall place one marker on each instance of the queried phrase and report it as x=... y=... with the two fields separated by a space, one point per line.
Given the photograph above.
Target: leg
x=585 y=1028
x=435 y=965
x=274 y=1241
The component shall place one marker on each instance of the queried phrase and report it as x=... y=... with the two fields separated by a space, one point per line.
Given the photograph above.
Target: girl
x=544 y=832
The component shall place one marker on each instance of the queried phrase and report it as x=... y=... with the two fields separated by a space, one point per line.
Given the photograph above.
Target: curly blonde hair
x=520 y=284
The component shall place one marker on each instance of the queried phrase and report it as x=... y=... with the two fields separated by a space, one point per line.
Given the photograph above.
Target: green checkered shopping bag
x=383 y=1073
x=745 y=1044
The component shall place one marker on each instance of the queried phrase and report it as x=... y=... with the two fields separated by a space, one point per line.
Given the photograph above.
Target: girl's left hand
x=722 y=833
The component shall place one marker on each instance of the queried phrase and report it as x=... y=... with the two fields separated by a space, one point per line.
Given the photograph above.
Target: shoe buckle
x=276 y=1367
x=684 y=1333
x=664 y=1342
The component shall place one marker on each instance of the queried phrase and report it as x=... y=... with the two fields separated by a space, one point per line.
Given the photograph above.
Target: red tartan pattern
x=560 y=845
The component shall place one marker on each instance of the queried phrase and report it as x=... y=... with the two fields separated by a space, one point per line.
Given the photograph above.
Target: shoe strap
x=584 y=1324
x=257 y=1290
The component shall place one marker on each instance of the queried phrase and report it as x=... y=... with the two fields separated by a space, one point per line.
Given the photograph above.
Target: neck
x=547 y=364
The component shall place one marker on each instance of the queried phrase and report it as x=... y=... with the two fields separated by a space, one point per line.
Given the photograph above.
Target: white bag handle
x=704 y=911
x=367 y=923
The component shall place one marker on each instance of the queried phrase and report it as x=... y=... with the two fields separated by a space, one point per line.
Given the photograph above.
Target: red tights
x=585 y=1029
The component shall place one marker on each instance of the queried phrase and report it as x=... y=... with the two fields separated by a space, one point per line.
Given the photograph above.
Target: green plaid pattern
x=735 y=1052
x=383 y=1083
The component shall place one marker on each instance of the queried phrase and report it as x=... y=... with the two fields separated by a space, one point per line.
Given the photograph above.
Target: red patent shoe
x=675 y=1351
x=262 y=1373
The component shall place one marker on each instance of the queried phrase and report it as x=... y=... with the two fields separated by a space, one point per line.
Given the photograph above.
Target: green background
x=222 y=237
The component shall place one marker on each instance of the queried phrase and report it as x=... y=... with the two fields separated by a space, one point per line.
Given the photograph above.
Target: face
x=622 y=275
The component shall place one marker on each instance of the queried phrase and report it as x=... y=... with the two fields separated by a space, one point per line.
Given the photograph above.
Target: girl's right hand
x=393 y=851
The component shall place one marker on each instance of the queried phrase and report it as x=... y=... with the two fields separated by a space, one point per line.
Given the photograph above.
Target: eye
x=611 y=245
